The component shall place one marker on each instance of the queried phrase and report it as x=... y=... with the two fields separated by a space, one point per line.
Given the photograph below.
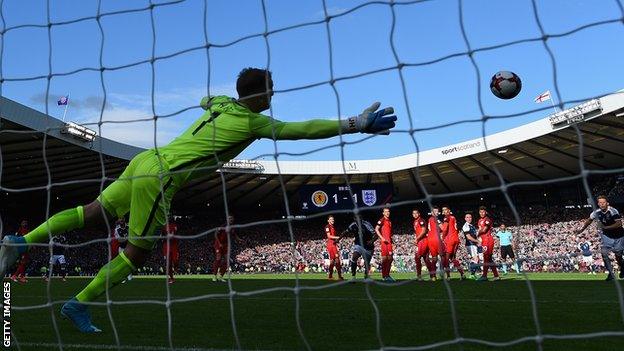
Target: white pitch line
x=145 y=298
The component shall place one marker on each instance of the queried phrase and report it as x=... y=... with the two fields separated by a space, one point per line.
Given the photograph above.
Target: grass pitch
x=332 y=315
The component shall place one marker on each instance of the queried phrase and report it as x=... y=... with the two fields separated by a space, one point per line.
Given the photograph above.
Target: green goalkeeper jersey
x=225 y=130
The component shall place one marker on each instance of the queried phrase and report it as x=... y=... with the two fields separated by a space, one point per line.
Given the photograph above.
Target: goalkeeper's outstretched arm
x=371 y=120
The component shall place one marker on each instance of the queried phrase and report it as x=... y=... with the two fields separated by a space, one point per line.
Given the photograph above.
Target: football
x=505 y=85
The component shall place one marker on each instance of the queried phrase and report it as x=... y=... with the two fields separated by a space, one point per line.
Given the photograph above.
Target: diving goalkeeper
x=147 y=185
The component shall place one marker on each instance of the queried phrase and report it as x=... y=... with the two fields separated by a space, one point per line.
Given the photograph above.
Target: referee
x=506 y=240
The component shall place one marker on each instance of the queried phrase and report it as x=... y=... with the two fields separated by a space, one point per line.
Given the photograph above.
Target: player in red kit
x=484 y=227
x=450 y=233
x=221 y=246
x=422 y=247
x=20 y=272
x=434 y=240
x=332 y=249
x=383 y=229
x=171 y=254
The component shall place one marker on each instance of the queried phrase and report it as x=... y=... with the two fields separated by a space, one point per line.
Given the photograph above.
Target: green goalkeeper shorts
x=145 y=189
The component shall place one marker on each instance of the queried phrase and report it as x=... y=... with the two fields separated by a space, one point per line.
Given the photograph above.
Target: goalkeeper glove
x=371 y=121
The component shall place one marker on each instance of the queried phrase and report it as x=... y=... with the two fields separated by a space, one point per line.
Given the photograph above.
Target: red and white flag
x=543 y=97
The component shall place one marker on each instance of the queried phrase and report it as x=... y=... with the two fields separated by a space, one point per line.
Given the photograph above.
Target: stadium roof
x=541 y=150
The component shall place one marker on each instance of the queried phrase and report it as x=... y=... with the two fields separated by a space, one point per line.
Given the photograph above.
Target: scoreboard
x=321 y=198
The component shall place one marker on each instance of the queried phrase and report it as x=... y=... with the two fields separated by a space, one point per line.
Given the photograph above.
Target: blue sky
x=439 y=93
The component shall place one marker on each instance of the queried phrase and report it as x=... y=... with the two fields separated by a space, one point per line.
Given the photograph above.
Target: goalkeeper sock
x=353 y=267
x=59 y=223
x=117 y=270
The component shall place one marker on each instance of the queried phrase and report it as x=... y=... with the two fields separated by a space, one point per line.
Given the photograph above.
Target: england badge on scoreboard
x=369 y=197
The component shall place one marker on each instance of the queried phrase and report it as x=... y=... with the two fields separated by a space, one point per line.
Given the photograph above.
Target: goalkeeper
x=147 y=185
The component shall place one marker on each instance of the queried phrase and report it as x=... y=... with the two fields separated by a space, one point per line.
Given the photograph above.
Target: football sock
x=339 y=268
x=63 y=270
x=418 y=266
x=353 y=267
x=432 y=267
x=224 y=266
x=383 y=267
x=505 y=268
x=458 y=266
x=59 y=223
x=21 y=269
x=215 y=266
x=116 y=270
x=427 y=263
x=486 y=266
x=620 y=261
x=331 y=268
x=516 y=267
x=387 y=267
x=607 y=263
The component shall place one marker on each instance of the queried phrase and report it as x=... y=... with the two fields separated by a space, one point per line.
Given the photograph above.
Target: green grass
x=337 y=317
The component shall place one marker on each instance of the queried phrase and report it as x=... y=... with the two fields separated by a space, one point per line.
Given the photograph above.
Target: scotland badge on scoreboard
x=369 y=197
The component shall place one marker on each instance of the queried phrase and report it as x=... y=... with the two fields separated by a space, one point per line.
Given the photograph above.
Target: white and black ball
x=505 y=85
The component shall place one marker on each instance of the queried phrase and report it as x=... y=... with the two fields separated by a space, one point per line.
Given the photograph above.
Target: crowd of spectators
x=545 y=240
x=612 y=187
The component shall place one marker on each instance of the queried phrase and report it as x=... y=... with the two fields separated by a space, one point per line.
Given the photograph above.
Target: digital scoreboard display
x=321 y=198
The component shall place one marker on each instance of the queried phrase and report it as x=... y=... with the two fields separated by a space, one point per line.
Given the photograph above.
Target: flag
x=543 y=97
x=63 y=100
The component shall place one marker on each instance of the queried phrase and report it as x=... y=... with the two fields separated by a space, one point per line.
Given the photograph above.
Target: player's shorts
x=57 y=259
x=222 y=249
x=386 y=249
x=473 y=251
x=451 y=246
x=422 y=248
x=610 y=244
x=488 y=246
x=588 y=260
x=436 y=246
x=507 y=251
x=174 y=258
x=145 y=189
x=332 y=250
x=366 y=254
